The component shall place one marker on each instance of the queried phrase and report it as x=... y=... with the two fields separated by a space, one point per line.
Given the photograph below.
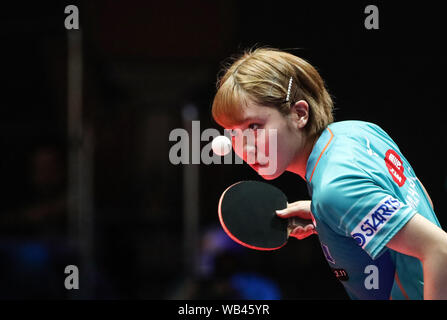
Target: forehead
x=252 y=109
x=253 y=112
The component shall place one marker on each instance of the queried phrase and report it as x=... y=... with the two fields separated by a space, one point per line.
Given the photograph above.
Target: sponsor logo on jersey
x=341 y=274
x=327 y=253
x=395 y=167
x=371 y=224
x=369 y=149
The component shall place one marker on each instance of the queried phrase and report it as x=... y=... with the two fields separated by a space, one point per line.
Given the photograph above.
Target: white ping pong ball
x=221 y=145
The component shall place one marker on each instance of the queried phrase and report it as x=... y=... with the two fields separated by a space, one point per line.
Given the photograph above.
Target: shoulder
x=357 y=125
x=354 y=150
x=339 y=182
x=347 y=160
x=341 y=153
x=365 y=134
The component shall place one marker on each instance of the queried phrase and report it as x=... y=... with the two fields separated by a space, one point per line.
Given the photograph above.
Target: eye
x=254 y=126
x=232 y=133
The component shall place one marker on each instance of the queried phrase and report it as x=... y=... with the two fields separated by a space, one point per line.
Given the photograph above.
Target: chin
x=271 y=176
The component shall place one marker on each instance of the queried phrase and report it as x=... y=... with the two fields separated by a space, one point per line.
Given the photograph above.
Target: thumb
x=299 y=209
x=286 y=213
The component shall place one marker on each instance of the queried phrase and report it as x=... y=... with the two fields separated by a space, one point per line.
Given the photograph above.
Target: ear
x=300 y=113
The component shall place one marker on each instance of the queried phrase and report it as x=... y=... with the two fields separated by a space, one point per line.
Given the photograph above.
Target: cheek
x=274 y=143
x=262 y=143
x=238 y=148
x=274 y=149
x=284 y=150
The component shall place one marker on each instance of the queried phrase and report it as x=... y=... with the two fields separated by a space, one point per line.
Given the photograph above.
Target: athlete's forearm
x=435 y=274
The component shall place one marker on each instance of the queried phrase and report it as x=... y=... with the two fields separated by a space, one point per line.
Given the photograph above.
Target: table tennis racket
x=247 y=214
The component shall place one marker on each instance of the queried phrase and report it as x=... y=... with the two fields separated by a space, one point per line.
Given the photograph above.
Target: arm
x=423 y=240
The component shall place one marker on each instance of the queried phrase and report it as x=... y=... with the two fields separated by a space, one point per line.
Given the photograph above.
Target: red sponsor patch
x=395 y=167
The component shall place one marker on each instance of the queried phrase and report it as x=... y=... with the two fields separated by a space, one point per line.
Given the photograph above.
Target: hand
x=302 y=226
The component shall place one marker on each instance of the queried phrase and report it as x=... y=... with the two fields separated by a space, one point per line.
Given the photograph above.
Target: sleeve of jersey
x=353 y=205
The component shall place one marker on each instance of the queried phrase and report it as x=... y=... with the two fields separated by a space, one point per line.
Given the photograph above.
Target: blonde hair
x=262 y=75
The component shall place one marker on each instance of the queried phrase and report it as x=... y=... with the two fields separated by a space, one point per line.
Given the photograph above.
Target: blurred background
x=85 y=119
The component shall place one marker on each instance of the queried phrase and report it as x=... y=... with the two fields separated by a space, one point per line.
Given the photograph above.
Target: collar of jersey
x=318 y=150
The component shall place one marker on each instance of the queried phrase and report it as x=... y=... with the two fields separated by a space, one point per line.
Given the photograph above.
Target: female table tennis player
x=374 y=219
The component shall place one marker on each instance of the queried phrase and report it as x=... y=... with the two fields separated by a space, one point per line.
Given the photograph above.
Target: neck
x=300 y=163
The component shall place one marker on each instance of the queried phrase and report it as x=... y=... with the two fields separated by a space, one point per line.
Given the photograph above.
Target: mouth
x=256 y=166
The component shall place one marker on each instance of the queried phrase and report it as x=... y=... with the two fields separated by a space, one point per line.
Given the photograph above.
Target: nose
x=250 y=153
x=245 y=145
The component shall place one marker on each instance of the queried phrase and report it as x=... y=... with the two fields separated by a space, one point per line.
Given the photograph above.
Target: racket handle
x=297 y=222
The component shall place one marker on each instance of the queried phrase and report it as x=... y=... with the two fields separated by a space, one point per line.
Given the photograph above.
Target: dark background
x=143 y=61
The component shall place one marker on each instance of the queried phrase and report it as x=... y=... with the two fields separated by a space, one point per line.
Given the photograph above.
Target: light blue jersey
x=363 y=192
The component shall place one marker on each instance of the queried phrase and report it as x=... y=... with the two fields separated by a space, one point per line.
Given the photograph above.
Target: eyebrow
x=243 y=122
x=249 y=119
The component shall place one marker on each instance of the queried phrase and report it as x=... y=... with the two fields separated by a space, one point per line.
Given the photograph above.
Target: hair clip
x=288 y=90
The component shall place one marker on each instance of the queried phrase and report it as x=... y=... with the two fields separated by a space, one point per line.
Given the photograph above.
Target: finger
x=298 y=208
x=302 y=204
x=293 y=212
x=309 y=228
x=296 y=203
x=298 y=231
x=301 y=233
